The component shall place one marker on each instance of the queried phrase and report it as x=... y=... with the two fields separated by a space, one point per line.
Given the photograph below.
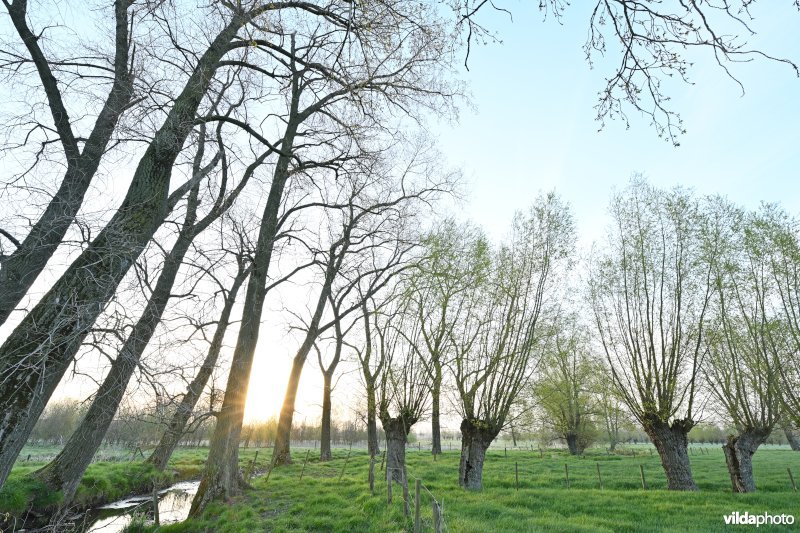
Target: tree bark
x=436 y=431
x=372 y=420
x=572 y=444
x=672 y=444
x=739 y=452
x=476 y=436
x=794 y=442
x=169 y=440
x=396 y=430
x=38 y=352
x=325 y=434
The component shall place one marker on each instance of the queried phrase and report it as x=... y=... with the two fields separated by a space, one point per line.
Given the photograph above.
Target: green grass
x=320 y=502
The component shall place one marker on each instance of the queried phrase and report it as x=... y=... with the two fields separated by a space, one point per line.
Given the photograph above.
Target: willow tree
x=498 y=342
x=745 y=351
x=455 y=258
x=564 y=389
x=650 y=288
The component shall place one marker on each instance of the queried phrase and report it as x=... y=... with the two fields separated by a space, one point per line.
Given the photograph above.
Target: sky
x=530 y=127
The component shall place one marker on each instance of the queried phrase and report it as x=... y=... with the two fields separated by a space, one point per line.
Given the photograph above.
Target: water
x=173 y=506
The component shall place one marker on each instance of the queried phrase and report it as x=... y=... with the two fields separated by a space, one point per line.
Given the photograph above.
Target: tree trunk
x=372 y=421
x=40 y=349
x=396 y=431
x=572 y=443
x=672 y=444
x=169 y=440
x=282 y=454
x=325 y=434
x=221 y=478
x=476 y=436
x=739 y=452
x=794 y=442
x=436 y=431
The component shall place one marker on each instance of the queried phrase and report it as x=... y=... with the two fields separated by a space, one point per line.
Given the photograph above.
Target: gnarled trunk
x=396 y=430
x=476 y=436
x=794 y=442
x=325 y=434
x=672 y=445
x=739 y=452
x=573 y=443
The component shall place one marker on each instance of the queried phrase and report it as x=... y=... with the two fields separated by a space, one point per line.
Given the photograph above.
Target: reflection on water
x=173 y=506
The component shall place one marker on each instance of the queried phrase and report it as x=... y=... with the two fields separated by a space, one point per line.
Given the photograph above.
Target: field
x=321 y=501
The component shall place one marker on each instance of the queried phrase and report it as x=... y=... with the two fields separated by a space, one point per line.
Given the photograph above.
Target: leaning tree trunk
x=476 y=436
x=177 y=425
x=739 y=452
x=65 y=471
x=40 y=349
x=21 y=267
x=794 y=442
x=436 y=430
x=325 y=434
x=672 y=445
x=221 y=478
x=396 y=430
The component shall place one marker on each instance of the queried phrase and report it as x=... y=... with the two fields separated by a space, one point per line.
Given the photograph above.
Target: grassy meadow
x=321 y=501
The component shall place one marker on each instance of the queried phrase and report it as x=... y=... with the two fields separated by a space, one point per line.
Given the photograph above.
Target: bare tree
x=81 y=153
x=650 y=290
x=36 y=354
x=497 y=343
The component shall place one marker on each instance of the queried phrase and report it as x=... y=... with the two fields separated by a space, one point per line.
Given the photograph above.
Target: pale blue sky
x=535 y=129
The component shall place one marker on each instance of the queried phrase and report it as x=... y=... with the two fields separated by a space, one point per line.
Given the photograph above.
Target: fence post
x=344 y=465
x=417 y=520
x=372 y=473
x=791 y=478
x=599 y=477
x=388 y=486
x=516 y=474
x=304 y=465
x=566 y=473
x=644 y=484
x=383 y=457
x=437 y=517
x=156 y=518
x=406 y=510
x=505 y=451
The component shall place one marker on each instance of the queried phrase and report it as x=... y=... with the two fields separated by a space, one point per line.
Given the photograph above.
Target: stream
x=173 y=506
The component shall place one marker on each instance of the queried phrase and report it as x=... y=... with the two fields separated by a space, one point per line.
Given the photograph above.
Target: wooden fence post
x=791 y=478
x=566 y=473
x=516 y=474
x=388 y=486
x=437 y=517
x=641 y=471
x=304 y=465
x=372 y=473
x=599 y=477
x=156 y=518
x=344 y=465
x=417 y=519
x=406 y=510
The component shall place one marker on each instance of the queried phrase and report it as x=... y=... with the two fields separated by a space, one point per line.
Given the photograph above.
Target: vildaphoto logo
x=747 y=519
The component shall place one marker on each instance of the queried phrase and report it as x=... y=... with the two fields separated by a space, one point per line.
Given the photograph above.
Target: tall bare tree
x=650 y=290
